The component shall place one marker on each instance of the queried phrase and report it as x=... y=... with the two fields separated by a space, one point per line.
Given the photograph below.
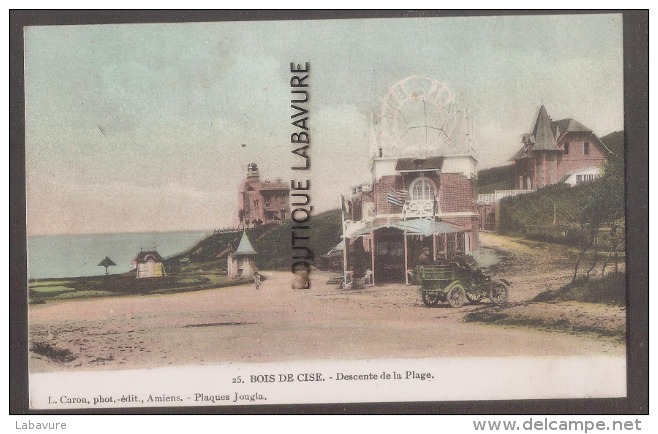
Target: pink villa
x=262 y=201
x=557 y=151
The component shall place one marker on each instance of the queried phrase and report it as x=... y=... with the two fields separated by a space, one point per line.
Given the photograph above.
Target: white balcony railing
x=419 y=208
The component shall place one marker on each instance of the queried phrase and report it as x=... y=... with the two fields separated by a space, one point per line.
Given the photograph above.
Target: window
x=422 y=189
x=586 y=178
x=586 y=148
x=566 y=148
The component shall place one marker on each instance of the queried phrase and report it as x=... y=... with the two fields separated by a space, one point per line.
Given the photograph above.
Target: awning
x=411 y=227
x=369 y=228
x=337 y=249
x=425 y=227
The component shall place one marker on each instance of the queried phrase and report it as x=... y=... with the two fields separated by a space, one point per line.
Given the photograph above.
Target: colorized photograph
x=325 y=211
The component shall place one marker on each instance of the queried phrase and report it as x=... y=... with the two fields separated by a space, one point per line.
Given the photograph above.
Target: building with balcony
x=419 y=206
x=262 y=201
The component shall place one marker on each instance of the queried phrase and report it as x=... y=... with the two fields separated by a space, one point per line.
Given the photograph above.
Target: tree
x=603 y=208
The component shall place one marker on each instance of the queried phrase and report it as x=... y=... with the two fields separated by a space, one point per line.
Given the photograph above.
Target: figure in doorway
x=424 y=258
x=361 y=260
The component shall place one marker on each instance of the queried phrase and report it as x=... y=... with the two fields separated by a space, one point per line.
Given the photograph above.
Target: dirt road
x=277 y=323
x=532 y=267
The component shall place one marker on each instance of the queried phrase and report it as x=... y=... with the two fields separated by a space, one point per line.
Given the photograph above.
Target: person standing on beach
x=257 y=281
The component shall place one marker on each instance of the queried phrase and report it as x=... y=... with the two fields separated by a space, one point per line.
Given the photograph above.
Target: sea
x=51 y=256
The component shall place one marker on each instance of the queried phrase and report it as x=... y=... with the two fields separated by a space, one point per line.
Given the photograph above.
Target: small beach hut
x=241 y=261
x=148 y=264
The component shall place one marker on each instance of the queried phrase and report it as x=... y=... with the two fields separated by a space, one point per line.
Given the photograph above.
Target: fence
x=488 y=209
x=226 y=230
x=497 y=195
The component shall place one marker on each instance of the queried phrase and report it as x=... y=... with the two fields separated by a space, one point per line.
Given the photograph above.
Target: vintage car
x=457 y=281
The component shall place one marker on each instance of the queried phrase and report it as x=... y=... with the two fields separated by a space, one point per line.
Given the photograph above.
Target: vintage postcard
x=325 y=211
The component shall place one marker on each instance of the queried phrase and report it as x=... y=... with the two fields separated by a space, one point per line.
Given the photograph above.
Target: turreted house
x=557 y=151
x=261 y=201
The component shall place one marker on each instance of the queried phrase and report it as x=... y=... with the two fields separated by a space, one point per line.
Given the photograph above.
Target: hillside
x=558 y=205
x=615 y=143
x=272 y=242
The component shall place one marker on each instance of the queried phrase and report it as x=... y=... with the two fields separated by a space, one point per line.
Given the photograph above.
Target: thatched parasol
x=107 y=262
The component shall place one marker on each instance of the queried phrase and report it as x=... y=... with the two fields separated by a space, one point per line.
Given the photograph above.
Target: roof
x=244 y=248
x=107 y=262
x=337 y=249
x=411 y=227
x=419 y=164
x=265 y=186
x=583 y=170
x=425 y=227
x=143 y=256
x=547 y=133
x=564 y=126
x=543 y=133
x=522 y=153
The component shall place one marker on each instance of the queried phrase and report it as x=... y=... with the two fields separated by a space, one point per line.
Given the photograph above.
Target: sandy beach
x=277 y=323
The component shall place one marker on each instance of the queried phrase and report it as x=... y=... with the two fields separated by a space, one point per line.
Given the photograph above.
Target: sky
x=150 y=127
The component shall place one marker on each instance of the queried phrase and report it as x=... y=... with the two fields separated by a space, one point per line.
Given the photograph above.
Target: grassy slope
x=610 y=289
x=536 y=209
x=272 y=242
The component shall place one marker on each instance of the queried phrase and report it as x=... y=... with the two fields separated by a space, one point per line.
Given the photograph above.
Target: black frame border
x=636 y=119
